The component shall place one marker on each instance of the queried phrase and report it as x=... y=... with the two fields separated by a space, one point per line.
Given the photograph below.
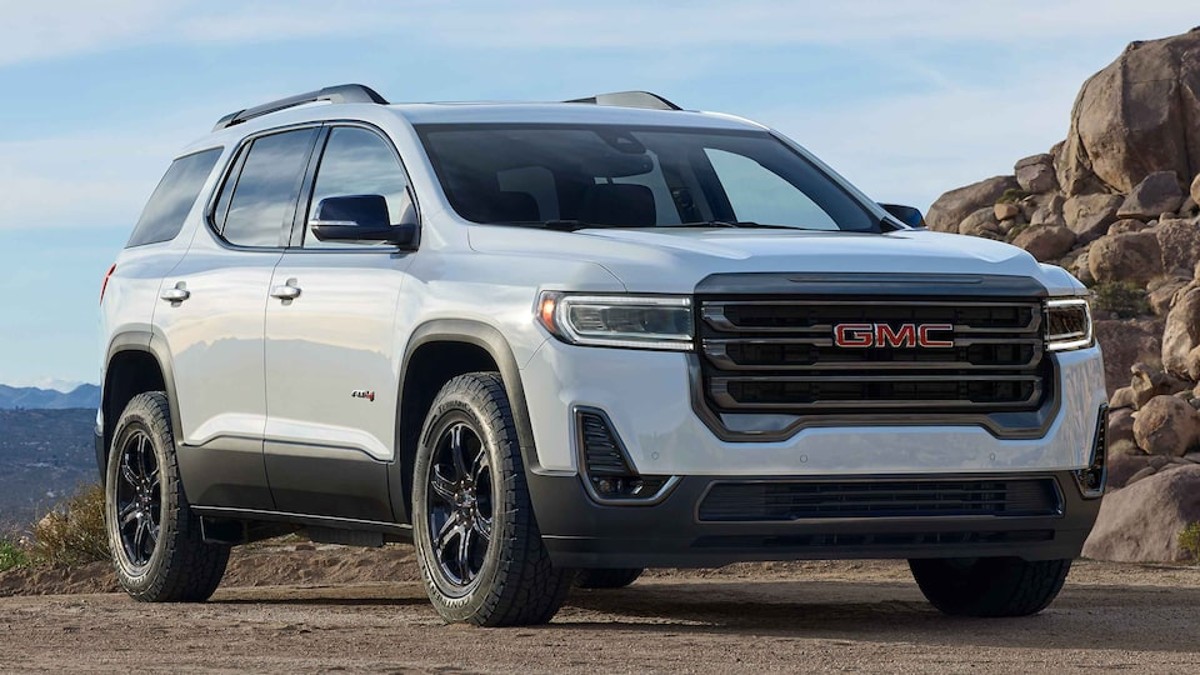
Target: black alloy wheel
x=460 y=505
x=139 y=498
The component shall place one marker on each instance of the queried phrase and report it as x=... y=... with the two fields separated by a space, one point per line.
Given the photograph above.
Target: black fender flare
x=492 y=341
x=146 y=342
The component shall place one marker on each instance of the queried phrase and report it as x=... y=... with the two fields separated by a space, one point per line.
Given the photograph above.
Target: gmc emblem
x=865 y=335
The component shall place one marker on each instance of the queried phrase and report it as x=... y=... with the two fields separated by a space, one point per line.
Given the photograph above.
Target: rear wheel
x=990 y=587
x=478 y=544
x=607 y=578
x=154 y=537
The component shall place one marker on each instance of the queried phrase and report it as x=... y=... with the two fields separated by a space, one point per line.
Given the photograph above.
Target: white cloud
x=48 y=30
x=87 y=180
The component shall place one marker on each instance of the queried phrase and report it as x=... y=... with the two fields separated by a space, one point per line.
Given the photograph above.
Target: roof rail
x=342 y=93
x=629 y=99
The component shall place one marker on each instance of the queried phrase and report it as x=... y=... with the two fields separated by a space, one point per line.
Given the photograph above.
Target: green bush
x=1012 y=195
x=12 y=555
x=1123 y=298
x=73 y=532
x=1189 y=540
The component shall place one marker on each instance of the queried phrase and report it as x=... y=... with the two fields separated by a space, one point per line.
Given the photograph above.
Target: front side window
x=173 y=199
x=265 y=193
x=617 y=176
x=357 y=162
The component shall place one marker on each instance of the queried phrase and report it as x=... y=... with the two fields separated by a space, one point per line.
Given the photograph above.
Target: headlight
x=637 y=321
x=1068 y=324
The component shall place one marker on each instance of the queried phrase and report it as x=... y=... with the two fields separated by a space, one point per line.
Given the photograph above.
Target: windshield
x=571 y=176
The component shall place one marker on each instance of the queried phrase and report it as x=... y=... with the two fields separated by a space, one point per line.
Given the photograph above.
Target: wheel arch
x=438 y=351
x=134 y=364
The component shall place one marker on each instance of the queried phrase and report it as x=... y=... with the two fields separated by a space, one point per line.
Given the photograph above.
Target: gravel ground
x=844 y=616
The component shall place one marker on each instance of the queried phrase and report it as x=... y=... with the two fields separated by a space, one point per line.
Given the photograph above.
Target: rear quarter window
x=163 y=217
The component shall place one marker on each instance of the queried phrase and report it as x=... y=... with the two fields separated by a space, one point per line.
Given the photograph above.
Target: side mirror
x=362 y=218
x=909 y=215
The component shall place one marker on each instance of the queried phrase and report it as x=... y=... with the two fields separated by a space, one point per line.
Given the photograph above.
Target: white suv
x=563 y=342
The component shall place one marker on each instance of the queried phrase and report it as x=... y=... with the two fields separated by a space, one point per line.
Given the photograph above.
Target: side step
x=326 y=535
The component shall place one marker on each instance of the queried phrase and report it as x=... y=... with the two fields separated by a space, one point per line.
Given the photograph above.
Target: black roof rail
x=342 y=93
x=629 y=99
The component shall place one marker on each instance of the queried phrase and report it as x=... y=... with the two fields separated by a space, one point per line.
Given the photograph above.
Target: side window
x=173 y=199
x=758 y=194
x=265 y=193
x=357 y=162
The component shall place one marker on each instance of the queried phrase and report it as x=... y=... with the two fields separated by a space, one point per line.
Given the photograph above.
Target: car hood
x=674 y=260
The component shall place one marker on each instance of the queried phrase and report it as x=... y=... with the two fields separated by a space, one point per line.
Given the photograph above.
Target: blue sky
x=907 y=99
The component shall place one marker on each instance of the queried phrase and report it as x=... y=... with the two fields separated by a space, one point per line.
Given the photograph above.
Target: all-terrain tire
x=607 y=578
x=516 y=583
x=990 y=587
x=182 y=567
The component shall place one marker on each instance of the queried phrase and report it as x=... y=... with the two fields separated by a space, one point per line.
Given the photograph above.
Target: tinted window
x=357 y=162
x=265 y=194
x=173 y=198
x=619 y=176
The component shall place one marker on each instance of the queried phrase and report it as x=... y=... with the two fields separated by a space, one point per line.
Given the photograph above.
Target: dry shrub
x=12 y=555
x=1189 y=540
x=73 y=532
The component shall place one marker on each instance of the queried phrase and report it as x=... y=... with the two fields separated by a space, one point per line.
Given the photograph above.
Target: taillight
x=107 y=276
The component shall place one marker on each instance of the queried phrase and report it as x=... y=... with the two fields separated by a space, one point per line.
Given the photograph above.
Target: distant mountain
x=44 y=456
x=33 y=398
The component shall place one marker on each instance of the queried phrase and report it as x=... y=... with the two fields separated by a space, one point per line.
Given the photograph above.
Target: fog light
x=607 y=470
x=1092 y=480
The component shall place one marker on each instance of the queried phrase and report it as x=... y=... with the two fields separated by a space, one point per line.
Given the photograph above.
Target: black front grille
x=797 y=500
x=779 y=355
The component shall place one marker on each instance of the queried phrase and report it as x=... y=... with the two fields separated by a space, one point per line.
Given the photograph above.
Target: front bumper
x=649 y=398
x=580 y=533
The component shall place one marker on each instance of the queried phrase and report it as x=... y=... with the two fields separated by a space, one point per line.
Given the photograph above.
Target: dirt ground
x=329 y=608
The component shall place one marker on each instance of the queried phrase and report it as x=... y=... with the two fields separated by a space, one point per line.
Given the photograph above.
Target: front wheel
x=990 y=587
x=478 y=544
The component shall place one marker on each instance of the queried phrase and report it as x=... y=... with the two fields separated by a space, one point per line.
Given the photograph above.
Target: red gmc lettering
x=906 y=335
x=854 y=335
x=925 y=329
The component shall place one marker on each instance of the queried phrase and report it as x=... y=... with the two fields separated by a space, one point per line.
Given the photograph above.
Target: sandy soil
x=362 y=610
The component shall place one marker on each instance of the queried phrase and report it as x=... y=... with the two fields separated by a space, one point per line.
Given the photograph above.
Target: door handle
x=177 y=294
x=289 y=291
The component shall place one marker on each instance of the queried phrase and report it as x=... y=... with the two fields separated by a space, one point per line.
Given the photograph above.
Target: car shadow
x=1083 y=617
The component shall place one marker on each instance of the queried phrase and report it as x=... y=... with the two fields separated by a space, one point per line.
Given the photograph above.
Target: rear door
x=331 y=351
x=211 y=314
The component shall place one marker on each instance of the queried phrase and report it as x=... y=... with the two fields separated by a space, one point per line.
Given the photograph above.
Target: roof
x=562 y=113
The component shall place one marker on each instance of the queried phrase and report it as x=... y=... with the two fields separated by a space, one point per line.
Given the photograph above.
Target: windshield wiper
x=556 y=225
x=749 y=224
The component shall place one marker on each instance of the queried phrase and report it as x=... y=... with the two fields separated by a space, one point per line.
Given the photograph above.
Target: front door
x=332 y=349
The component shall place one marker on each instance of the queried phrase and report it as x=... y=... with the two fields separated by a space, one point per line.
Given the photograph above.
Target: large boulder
x=1195 y=192
x=1120 y=433
x=1142 y=522
x=981 y=223
x=1148 y=382
x=951 y=208
x=1036 y=174
x=1089 y=216
x=1179 y=240
x=1046 y=243
x=1157 y=194
x=1135 y=117
x=1167 y=425
x=1048 y=210
x=1134 y=257
x=1181 y=335
x=1125 y=343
